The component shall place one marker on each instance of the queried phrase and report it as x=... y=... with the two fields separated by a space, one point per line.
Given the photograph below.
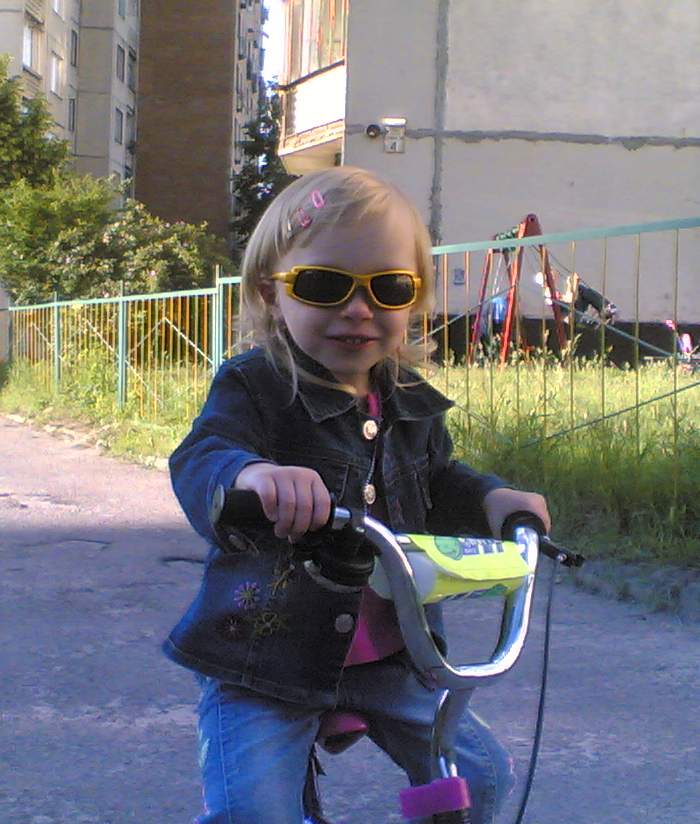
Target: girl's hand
x=294 y=498
x=500 y=503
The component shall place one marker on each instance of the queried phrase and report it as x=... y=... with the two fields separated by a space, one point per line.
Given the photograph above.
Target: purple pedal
x=443 y=795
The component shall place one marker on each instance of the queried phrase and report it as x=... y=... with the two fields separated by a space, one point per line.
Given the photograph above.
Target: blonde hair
x=347 y=193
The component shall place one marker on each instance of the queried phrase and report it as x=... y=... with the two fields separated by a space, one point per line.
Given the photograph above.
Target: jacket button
x=370 y=429
x=344 y=623
x=369 y=493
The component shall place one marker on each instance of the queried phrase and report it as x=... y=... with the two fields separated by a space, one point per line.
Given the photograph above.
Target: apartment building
x=41 y=38
x=200 y=80
x=156 y=92
x=585 y=112
x=108 y=46
x=82 y=58
x=313 y=84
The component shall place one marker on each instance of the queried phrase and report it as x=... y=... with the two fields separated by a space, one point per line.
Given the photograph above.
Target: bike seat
x=339 y=730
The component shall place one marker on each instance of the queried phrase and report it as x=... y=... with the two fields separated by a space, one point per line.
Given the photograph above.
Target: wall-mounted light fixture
x=394 y=134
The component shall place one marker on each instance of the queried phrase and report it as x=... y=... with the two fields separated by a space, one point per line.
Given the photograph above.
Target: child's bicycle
x=418 y=569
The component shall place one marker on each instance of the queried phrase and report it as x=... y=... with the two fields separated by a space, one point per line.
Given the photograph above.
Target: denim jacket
x=260 y=620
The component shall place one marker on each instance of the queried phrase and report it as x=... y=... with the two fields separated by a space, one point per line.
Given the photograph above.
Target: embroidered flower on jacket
x=247 y=595
x=284 y=569
x=267 y=623
x=232 y=626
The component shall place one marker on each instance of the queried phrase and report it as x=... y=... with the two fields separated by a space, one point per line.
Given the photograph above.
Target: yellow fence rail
x=144 y=352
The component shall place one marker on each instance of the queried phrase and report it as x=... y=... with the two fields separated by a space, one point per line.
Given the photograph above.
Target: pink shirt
x=377 y=634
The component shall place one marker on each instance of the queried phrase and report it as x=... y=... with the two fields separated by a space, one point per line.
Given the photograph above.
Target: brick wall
x=184 y=143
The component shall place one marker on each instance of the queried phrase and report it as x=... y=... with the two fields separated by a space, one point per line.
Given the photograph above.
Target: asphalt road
x=98 y=727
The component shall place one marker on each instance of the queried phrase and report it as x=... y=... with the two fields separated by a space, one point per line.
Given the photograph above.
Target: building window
x=241 y=38
x=56 y=77
x=237 y=147
x=121 y=60
x=121 y=8
x=73 y=47
x=129 y=178
x=30 y=47
x=131 y=130
x=239 y=90
x=118 y=125
x=317 y=39
x=71 y=114
x=131 y=70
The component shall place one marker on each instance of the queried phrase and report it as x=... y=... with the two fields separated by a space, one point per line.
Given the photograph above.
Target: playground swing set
x=580 y=296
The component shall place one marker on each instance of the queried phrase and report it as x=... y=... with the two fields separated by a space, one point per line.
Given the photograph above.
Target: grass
x=87 y=401
x=620 y=484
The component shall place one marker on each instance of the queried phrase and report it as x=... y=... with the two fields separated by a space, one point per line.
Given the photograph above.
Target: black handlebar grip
x=235 y=506
x=231 y=507
x=557 y=553
x=521 y=518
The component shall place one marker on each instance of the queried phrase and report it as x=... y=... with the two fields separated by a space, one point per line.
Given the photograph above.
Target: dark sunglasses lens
x=393 y=289
x=322 y=286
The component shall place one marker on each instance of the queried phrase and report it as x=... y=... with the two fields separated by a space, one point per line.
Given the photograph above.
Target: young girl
x=333 y=274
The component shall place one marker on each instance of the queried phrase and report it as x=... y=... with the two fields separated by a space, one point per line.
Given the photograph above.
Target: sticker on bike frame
x=449 y=567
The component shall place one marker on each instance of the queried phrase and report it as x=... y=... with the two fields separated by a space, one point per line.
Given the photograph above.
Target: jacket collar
x=409 y=398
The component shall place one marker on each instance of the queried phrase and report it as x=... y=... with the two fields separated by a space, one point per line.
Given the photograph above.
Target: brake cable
x=570 y=559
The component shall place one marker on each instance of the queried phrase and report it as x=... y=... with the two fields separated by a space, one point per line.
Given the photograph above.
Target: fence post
x=121 y=348
x=217 y=322
x=56 y=343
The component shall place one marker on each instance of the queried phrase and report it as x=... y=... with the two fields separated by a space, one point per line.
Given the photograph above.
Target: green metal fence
x=143 y=352
x=154 y=353
x=601 y=413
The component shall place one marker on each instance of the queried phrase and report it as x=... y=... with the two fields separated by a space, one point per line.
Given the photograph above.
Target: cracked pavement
x=97 y=563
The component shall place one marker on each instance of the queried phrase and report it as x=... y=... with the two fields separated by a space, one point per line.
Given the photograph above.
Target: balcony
x=313 y=120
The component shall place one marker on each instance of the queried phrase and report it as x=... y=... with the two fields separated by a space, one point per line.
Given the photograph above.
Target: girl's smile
x=352 y=341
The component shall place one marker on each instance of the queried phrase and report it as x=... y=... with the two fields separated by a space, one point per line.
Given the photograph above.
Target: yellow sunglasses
x=327 y=286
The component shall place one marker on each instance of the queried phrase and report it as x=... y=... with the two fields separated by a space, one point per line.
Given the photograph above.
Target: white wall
x=387 y=42
x=607 y=67
x=585 y=112
x=11 y=31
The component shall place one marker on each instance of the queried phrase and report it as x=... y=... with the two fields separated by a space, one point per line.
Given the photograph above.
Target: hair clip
x=300 y=218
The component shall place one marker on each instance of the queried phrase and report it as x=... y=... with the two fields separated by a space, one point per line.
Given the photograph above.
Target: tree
x=74 y=239
x=28 y=149
x=32 y=220
x=79 y=236
x=262 y=176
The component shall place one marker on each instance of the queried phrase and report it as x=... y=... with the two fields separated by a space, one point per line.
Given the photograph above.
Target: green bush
x=71 y=237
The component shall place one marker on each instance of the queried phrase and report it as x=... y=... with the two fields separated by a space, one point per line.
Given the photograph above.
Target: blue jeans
x=254 y=749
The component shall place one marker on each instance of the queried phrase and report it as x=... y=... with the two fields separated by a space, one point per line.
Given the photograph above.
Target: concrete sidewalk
x=671 y=589
x=663 y=589
x=97 y=563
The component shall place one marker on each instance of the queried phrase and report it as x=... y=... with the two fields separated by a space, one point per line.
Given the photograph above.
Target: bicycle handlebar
x=557 y=553
x=240 y=507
